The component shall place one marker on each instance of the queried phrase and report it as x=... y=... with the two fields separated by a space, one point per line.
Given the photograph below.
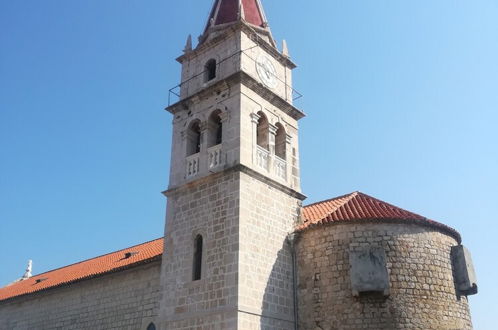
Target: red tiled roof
x=227 y=11
x=348 y=208
x=108 y=263
x=361 y=207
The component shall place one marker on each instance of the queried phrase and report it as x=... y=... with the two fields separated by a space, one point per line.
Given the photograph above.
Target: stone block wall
x=267 y=216
x=208 y=207
x=422 y=289
x=124 y=300
x=247 y=279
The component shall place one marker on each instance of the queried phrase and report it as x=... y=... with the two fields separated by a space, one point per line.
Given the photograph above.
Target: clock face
x=266 y=71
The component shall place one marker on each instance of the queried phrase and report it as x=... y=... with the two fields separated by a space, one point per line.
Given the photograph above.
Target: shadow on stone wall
x=278 y=300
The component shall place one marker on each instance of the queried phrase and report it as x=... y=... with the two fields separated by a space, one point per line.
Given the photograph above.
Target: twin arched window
x=214 y=133
x=263 y=136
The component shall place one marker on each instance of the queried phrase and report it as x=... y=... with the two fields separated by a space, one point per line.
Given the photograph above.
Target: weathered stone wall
x=208 y=207
x=422 y=291
x=267 y=216
x=246 y=280
x=124 y=300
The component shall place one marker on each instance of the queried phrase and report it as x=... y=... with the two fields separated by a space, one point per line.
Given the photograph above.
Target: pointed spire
x=29 y=269
x=226 y=12
x=285 y=49
x=188 y=45
x=229 y=11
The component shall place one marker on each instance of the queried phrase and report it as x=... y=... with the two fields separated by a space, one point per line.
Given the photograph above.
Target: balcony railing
x=215 y=158
x=280 y=167
x=262 y=157
x=192 y=165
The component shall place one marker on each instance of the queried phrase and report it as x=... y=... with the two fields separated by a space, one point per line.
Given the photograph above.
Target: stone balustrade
x=193 y=165
x=262 y=157
x=280 y=168
x=215 y=157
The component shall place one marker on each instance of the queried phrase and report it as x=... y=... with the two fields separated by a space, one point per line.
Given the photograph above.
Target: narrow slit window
x=197 y=269
x=210 y=70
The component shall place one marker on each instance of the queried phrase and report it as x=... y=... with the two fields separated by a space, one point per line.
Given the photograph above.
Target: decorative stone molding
x=272 y=129
x=255 y=118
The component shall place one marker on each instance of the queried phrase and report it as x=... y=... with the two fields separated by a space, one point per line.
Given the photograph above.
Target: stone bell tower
x=234 y=189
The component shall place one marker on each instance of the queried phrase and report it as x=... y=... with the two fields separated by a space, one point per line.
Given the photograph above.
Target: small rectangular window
x=197 y=267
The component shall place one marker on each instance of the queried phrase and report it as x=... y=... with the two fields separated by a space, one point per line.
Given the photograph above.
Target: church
x=240 y=249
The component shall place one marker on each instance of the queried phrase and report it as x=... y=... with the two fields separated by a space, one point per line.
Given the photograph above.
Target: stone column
x=272 y=130
x=224 y=117
x=254 y=122
x=203 y=156
x=288 y=158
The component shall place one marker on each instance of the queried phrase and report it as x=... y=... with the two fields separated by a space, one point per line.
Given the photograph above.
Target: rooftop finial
x=28 y=274
x=241 y=13
x=188 y=45
x=285 y=49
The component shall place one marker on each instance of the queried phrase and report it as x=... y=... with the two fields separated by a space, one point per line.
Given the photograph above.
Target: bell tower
x=234 y=191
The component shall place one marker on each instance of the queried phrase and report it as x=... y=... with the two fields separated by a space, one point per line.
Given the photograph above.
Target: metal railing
x=174 y=93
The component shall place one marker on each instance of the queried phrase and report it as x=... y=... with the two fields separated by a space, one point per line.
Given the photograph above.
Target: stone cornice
x=227 y=31
x=237 y=168
x=236 y=78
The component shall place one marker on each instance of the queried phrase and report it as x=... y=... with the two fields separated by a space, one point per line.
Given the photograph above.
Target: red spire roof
x=228 y=11
x=361 y=207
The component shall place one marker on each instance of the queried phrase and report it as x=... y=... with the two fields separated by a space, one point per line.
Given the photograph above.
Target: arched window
x=194 y=138
x=151 y=326
x=280 y=141
x=197 y=269
x=215 y=132
x=210 y=70
x=262 y=131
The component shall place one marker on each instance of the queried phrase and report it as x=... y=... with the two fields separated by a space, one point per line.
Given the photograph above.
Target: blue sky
x=401 y=98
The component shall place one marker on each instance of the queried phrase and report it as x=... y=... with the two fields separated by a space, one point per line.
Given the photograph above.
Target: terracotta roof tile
x=348 y=208
x=108 y=263
x=358 y=206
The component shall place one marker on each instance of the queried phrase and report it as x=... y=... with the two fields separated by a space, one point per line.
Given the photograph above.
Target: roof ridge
x=391 y=205
x=88 y=259
x=331 y=199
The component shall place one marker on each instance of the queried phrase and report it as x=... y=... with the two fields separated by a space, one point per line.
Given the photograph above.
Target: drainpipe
x=291 y=240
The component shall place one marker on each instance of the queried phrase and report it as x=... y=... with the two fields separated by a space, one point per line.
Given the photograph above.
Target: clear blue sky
x=401 y=97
